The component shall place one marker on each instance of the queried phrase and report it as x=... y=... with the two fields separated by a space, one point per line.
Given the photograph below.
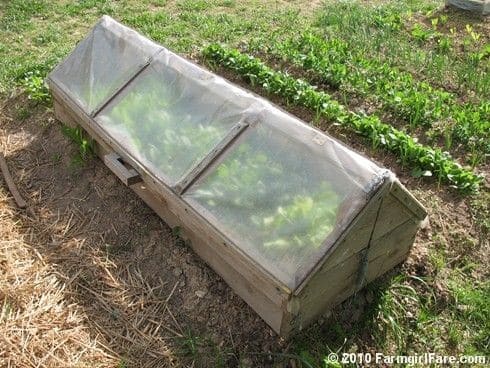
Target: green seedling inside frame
x=274 y=201
x=167 y=125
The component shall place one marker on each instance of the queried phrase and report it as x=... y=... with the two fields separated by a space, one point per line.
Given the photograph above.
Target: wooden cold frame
x=262 y=292
x=379 y=237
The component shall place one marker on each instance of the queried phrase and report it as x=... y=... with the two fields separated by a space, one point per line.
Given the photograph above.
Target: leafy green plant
x=444 y=44
x=421 y=34
x=381 y=135
x=173 y=138
x=86 y=147
x=33 y=83
x=272 y=200
x=354 y=22
x=416 y=102
x=386 y=18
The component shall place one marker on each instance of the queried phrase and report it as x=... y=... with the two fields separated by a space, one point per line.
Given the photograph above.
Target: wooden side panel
x=340 y=281
x=330 y=283
x=356 y=240
x=252 y=293
x=392 y=214
x=411 y=203
x=392 y=236
x=260 y=293
x=63 y=114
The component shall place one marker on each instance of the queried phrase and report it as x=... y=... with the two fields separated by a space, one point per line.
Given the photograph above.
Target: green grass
x=390 y=33
x=84 y=144
x=181 y=26
x=443 y=307
x=17 y=14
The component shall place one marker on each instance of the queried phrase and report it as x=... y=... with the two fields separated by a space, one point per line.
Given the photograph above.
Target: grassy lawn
x=411 y=66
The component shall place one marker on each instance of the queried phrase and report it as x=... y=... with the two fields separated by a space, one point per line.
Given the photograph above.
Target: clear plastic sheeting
x=279 y=190
x=284 y=198
x=172 y=115
x=102 y=63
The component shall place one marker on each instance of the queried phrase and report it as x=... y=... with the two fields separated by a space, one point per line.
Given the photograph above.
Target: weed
x=203 y=351
x=444 y=44
x=177 y=231
x=35 y=87
x=23 y=113
x=421 y=34
x=190 y=344
x=86 y=147
x=56 y=158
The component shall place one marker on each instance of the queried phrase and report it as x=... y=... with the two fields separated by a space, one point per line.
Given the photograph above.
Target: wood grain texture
x=128 y=176
x=392 y=236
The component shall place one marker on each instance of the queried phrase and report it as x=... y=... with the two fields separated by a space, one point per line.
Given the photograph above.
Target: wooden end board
x=389 y=224
x=339 y=282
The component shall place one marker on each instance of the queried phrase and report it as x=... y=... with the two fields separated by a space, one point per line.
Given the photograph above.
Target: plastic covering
x=102 y=62
x=172 y=115
x=282 y=192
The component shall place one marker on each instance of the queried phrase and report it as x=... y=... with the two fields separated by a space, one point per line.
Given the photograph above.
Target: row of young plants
x=414 y=101
x=435 y=34
x=424 y=159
